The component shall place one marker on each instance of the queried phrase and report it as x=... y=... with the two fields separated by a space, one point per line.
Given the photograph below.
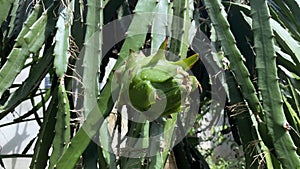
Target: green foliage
x=62 y=125
x=257 y=42
x=268 y=79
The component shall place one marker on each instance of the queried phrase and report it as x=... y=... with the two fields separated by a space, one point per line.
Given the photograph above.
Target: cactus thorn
x=287 y=126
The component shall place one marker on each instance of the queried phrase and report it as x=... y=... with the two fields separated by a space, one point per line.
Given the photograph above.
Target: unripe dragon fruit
x=155 y=86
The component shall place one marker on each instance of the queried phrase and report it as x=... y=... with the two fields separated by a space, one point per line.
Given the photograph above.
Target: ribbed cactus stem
x=159 y=25
x=180 y=29
x=37 y=10
x=13 y=16
x=30 y=39
x=268 y=84
x=4 y=8
x=92 y=53
x=81 y=140
x=241 y=73
x=62 y=39
x=45 y=137
x=62 y=126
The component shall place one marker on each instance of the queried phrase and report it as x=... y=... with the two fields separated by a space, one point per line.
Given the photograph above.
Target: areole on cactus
x=155 y=86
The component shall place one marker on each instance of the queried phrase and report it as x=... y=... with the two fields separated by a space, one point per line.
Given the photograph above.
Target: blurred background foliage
x=256 y=47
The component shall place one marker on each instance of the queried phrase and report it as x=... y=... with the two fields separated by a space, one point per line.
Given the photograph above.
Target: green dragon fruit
x=155 y=86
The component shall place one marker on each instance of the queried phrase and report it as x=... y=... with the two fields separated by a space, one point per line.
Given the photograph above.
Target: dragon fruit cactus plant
x=155 y=86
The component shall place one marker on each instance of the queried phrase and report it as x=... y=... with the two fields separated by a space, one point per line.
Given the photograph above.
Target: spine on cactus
x=221 y=25
x=45 y=138
x=62 y=125
x=81 y=140
x=182 y=15
x=17 y=56
x=268 y=84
